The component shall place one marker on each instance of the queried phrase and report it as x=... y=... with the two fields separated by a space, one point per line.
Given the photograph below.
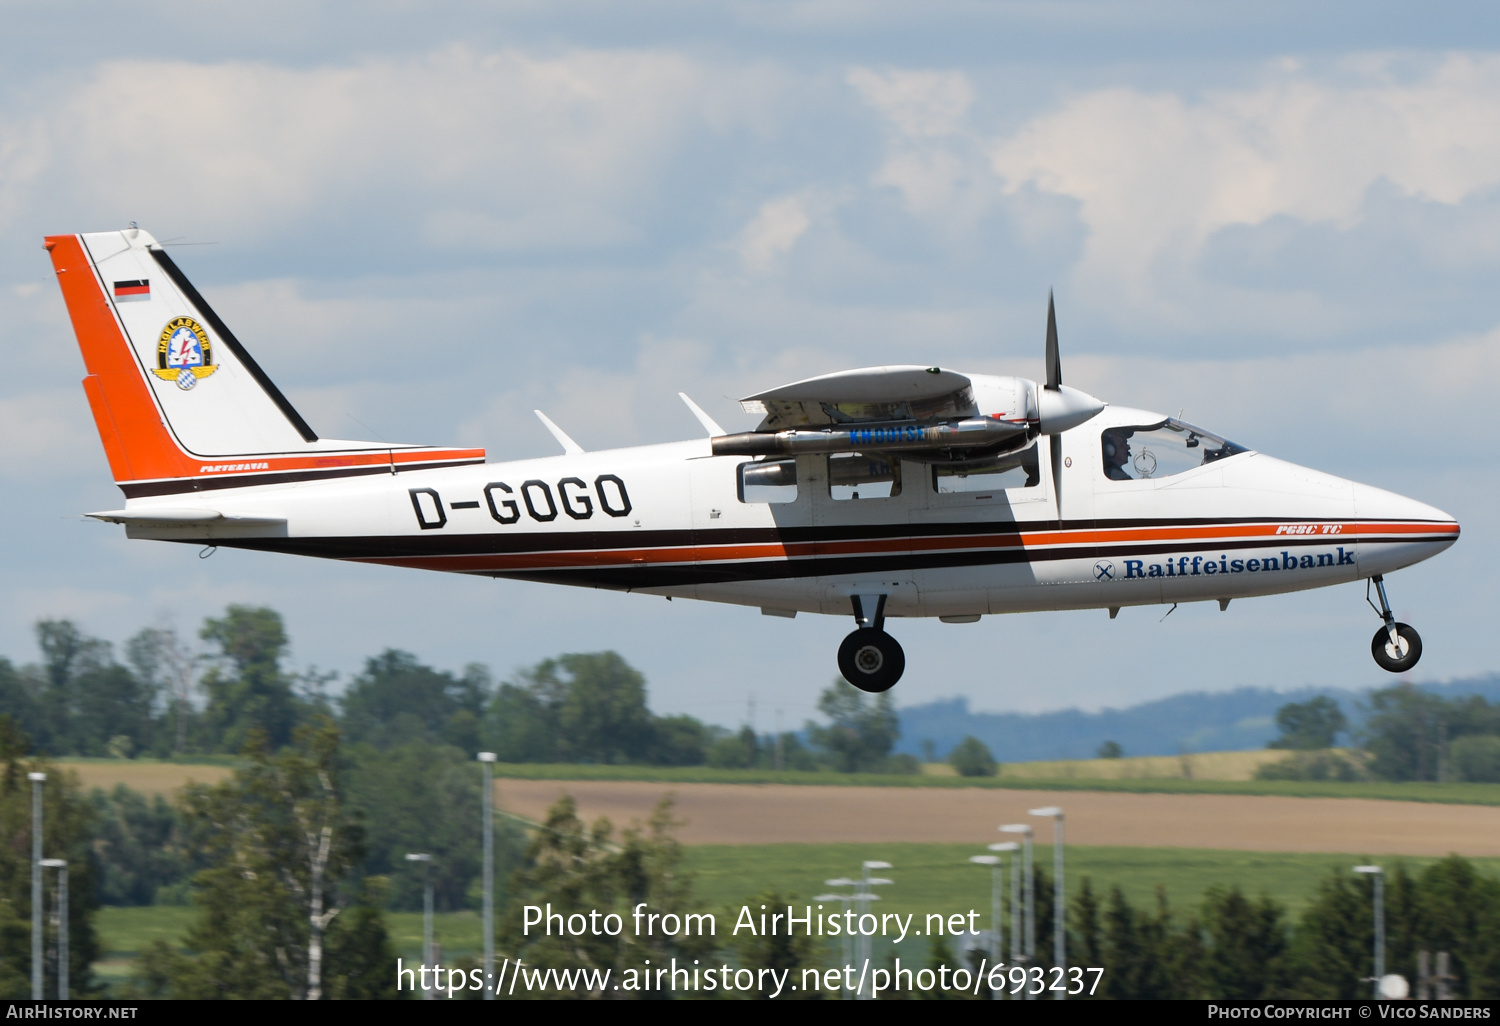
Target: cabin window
x=1151 y=451
x=768 y=482
x=853 y=476
x=1013 y=470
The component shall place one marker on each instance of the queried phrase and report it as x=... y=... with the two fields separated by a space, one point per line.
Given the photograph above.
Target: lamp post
x=37 y=779
x=1028 y=941
x=1379 y=875
x=61 y=865
x=845 y=899
x=1059 y=898
x=864 y=897
x=427 y=959
x=487 y=802
x=997 y=887
x=1010 y=848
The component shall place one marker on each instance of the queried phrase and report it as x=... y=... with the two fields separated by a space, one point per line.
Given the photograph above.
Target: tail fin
x=179 y=403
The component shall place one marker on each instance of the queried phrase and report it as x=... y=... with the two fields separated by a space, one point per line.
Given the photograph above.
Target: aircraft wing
x=867 y=394
x=920 y=413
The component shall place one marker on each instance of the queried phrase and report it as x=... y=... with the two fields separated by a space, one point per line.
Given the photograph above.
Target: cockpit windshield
x=1151 y=451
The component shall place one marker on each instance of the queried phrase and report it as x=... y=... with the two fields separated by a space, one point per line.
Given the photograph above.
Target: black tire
x=871 y=660
x=1387 y=657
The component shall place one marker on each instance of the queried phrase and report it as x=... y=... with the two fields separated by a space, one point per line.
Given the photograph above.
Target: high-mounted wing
x=924 y=413
x=869 y=393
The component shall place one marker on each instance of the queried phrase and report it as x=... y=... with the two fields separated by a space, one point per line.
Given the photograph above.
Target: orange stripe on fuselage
x=1227 y=535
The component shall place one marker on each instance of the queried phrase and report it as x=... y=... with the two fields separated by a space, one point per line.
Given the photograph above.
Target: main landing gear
x=1396 y=646
x=871 y=659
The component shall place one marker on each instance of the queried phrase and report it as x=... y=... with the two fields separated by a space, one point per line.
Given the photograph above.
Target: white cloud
x=917 y=103
x=773 y=231
x=488 y=151
x=1156 y=174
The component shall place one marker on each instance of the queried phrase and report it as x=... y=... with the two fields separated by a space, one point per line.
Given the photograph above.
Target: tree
x=1309 y=725
x=781 y=949
x=1408 y=731
x=65 y=834
x=1111 y=750
x=860 y=734
x=1476 y=758
x=171 y=666
x=579 y=869
x=424 y=798
x=397 y=700
x=247 y=690
x=972 y=758
x=280 y=848
x=139 y=846
x=85 y=703
x=588 y=707
x=1247 y=941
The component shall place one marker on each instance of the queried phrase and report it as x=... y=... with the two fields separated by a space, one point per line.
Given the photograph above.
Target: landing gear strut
x=871 y=659
x=1396 y=646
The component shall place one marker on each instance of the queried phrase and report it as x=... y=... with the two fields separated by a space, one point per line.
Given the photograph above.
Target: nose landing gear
x=869 y=658
x=1396 y=646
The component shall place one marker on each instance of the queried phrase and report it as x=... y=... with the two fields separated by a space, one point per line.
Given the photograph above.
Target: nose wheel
x=1396 y=646
x=869 y=658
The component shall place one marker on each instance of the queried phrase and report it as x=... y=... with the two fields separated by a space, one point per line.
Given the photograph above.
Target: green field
x=928 y=878
x=1448 y=794
x=1200 y=773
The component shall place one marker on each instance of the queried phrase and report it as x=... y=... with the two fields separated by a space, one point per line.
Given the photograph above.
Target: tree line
x=1407 y=735
x=172 y=697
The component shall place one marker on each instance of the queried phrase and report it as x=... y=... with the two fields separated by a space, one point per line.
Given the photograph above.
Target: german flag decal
x=132 y=291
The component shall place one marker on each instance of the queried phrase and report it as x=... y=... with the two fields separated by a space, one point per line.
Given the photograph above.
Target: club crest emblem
x=183 y=353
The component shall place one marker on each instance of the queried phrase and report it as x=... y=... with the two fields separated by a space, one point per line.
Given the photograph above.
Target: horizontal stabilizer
x=181 y=518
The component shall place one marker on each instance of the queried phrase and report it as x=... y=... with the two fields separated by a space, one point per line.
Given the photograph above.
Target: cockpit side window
x=1151 y=451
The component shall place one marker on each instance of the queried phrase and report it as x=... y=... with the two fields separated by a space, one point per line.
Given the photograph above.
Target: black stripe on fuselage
x=648 y=575
x=215 y=482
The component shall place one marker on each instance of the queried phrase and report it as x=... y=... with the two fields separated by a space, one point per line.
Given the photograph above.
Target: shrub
x=972 y=758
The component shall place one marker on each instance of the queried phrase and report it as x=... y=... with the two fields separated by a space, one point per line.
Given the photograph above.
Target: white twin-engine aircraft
x=880 y=492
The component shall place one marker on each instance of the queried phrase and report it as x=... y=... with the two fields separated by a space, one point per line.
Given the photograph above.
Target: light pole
x=61 y=865
x=1010 y=848
x=1379 y=875
x=846 y=899
x=1028 y=940
x=997 y=888
x=37 y=779
x=864 y=897
x=487 y=802
x=427 y=960
x=1059 y=899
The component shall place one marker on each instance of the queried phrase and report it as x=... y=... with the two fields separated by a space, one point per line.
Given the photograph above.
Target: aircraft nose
x=1377 y=504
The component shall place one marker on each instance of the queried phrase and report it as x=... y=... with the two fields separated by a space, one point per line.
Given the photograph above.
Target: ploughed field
x=782 y=813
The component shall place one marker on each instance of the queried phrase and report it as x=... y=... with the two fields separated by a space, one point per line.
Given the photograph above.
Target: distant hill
x=1195 y=721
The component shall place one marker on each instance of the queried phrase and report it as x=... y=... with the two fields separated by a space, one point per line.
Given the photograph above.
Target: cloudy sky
x=1282 y=220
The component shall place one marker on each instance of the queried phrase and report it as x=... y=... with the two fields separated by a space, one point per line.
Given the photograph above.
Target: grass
x=1199 y=773
x=1011 y=779
x=929 y=878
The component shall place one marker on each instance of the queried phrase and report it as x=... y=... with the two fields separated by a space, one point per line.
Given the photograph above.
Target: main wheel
x=1400 y=657
x=871 y=660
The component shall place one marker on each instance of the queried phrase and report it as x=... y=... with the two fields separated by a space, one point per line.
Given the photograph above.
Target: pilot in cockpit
x=1116 y=446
